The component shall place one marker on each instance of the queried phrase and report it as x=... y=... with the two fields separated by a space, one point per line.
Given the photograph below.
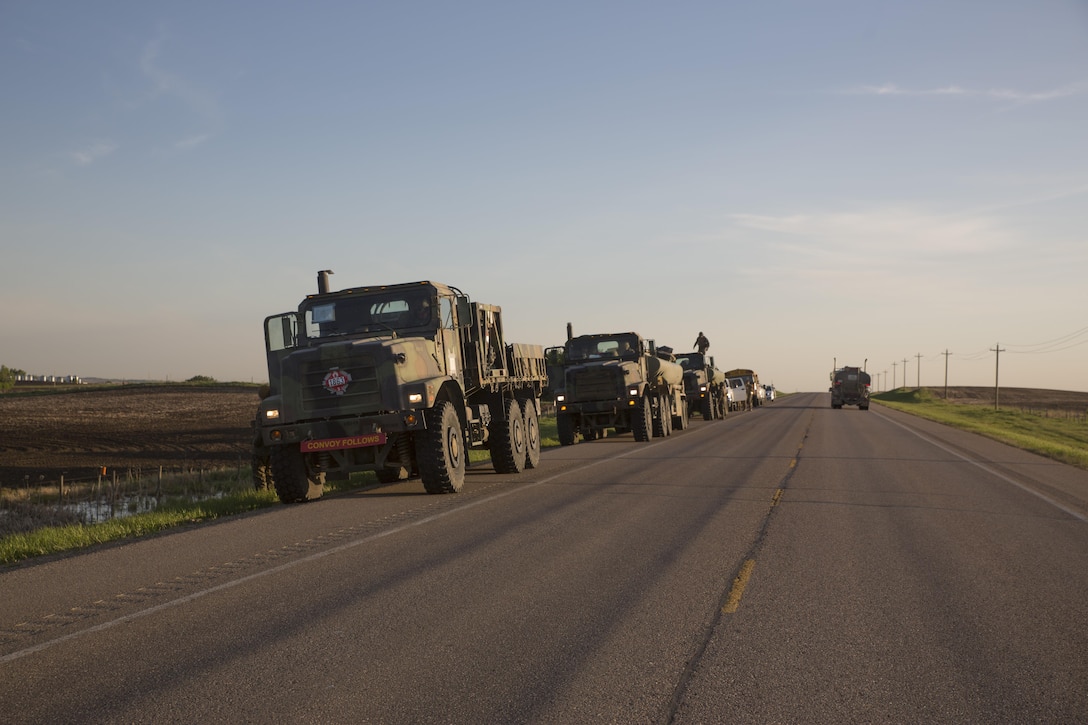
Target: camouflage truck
x=706 y=386
x=401 y=380
x=619 y=381
x=850 y=386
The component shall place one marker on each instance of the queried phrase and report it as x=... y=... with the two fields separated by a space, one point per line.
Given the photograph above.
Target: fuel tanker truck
x=620 y=381
x=706 y=386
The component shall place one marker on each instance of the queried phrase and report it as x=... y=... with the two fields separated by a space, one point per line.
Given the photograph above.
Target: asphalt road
x=791 y=564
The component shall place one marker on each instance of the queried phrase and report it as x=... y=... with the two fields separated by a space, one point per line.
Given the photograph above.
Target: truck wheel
x=663 y=420
x=564 y=428
x=293 y=479
x=441 y=450
x=642 y=420
x=262 y=472
x=707 y=406
x=532 y=433
x=508 y=446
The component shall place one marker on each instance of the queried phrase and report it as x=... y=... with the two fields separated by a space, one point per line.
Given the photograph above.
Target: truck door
x=280 y=338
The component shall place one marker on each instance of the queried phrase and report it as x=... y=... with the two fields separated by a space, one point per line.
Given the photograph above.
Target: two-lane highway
x=789 y=564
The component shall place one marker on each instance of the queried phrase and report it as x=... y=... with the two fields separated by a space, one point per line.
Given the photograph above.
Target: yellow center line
x=739 y=584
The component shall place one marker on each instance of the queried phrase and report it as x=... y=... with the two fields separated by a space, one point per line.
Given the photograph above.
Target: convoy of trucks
x=403 y=380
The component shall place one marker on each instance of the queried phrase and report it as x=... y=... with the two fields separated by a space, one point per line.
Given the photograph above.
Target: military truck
x=619 y=381
x=850 y=386
x=754 y=391
x=706 y=386
x=401 y=380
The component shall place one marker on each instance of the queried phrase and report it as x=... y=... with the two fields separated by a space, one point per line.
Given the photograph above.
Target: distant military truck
x=401 y=380
x=850 y=386
x=619 y=381
x=706 y=387
x=754 y=391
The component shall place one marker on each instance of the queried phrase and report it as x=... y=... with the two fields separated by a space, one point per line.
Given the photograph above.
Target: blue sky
x=807 y=183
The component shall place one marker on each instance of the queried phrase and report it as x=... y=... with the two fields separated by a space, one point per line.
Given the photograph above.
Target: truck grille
x=595 y=383
x=362 y=394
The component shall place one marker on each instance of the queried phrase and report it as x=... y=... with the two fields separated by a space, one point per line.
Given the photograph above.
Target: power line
x=1057 y=340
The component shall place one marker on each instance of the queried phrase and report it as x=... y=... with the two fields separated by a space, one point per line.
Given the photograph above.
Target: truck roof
x=439 y=286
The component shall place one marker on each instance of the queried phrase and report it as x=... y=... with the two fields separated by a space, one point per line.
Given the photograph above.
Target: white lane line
x=1072 y=512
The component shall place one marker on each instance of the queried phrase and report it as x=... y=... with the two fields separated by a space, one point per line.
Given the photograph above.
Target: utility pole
x=919 y=366
x=885 y=380
x=946 y=353
x=893 y=374
x=904 y=372
x=997 y=362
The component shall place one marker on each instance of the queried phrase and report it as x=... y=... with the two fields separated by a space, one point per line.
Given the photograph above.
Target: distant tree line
x=8 y=376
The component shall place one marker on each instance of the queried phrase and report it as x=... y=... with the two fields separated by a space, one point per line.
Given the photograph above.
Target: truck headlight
x=415 y=398
x=633 y=392
x=272 y=414
x=560 y=398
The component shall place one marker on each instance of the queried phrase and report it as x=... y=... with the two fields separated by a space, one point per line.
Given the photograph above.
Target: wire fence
x=112 y=493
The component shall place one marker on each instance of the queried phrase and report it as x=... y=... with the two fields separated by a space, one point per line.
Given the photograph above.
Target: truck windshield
x=598 y=348
x=690 y=362
x=385 y=313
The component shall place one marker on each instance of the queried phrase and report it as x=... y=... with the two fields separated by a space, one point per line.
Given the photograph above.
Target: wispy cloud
x=996 y=94
x=894 y=232
x=191 y=142
x=94 y=152
x=165 y=83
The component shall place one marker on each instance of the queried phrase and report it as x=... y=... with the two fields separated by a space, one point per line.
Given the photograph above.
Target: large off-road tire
x=294 y=482
x=262 y=471
x=663 y=419
x=508 y=442
x=642 y=419
x=532 y=433
x=564 y=429
x=441 y=450
x=706 y=406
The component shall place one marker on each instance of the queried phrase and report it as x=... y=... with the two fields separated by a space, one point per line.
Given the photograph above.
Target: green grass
x=1061 y=439
x=169 y=514
x=181 y=511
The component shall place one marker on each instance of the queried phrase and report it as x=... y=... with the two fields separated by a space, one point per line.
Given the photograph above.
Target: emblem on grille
x=336 y=381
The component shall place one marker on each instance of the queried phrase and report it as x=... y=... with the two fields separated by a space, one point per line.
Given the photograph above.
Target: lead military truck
x=618 y=381
x=401 y=380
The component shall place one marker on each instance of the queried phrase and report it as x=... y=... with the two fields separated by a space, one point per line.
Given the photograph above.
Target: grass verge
x=179 y=511
x=1060 y=439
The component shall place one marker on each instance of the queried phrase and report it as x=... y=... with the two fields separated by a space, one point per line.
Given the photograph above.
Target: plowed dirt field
x=76 y=433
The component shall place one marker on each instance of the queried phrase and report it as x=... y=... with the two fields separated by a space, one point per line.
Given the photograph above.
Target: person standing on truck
x=701 y=343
